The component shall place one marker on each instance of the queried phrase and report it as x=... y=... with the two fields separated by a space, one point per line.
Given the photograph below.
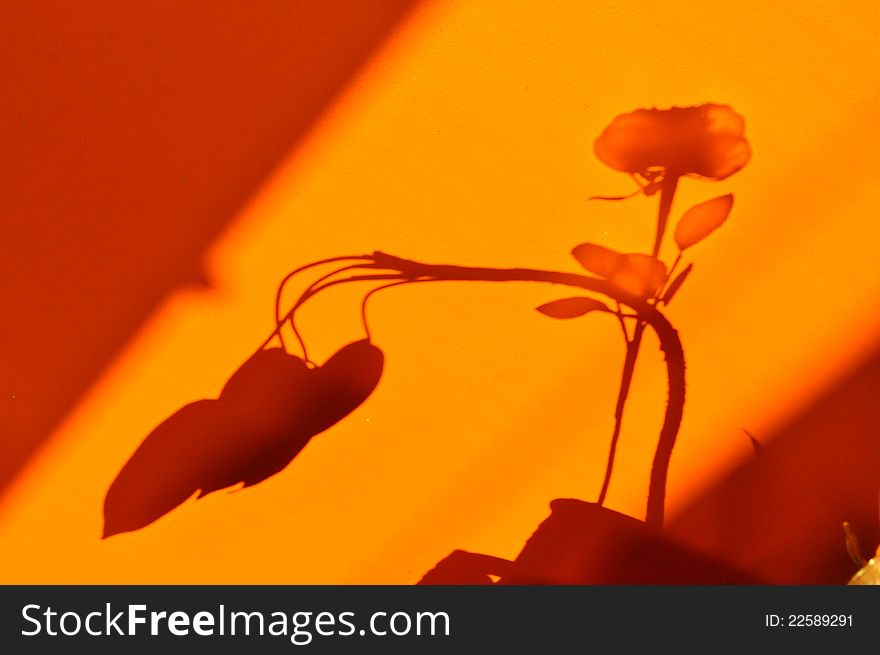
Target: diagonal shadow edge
x=105 y=274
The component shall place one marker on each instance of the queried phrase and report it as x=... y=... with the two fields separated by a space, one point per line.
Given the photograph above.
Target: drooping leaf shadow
x=266 y=413
x=583 y=543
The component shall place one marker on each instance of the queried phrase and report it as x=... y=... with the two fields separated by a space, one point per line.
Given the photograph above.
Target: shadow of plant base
x=583 y=543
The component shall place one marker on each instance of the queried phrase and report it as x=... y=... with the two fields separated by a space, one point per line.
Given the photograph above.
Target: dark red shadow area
x=780 y=515
x=132 y=133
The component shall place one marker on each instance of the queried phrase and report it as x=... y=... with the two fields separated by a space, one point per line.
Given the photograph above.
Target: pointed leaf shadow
x=572 y=307
x=701 y=220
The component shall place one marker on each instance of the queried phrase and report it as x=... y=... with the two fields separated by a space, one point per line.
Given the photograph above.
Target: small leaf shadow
x=572 y=307
x=701 y=220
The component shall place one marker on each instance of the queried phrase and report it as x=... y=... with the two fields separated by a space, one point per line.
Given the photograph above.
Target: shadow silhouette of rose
x=705 y=141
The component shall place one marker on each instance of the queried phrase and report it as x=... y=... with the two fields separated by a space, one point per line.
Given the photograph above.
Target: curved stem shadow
x=670 y=344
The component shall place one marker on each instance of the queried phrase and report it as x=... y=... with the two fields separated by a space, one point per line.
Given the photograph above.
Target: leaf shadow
x=265 y=415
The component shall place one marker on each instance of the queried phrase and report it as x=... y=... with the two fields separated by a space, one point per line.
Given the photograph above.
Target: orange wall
x=469 y=139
